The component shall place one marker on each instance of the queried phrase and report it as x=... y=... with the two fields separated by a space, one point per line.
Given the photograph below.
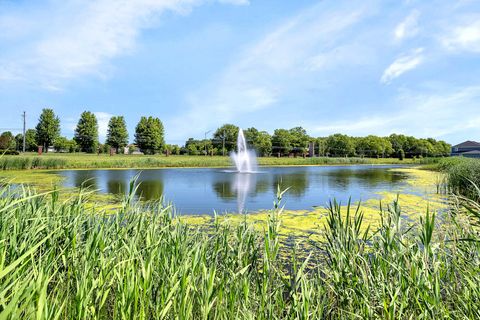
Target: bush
x=9 y=152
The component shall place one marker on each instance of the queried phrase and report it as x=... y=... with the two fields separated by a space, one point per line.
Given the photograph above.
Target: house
x=470 y=149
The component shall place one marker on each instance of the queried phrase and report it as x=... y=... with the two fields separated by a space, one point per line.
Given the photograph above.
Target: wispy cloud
x=433 y=114
x=64 y=40
x=262 y=74
x=464 y=38
x=408 y=27
x=402 y=65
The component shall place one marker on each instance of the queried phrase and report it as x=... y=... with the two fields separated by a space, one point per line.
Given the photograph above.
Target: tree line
x=296 y=141
x=149 y=135
x=149 y=138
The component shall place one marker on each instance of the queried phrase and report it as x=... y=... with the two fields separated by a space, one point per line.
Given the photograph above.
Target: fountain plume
x=245 y=160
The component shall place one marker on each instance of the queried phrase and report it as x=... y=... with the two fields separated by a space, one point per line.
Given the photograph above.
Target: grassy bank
x=64 y=259
x=88 y=161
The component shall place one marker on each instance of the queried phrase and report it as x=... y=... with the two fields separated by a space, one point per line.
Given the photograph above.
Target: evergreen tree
x=149 y=135
x=117 y=134
x=48 y=129
x=86 y=133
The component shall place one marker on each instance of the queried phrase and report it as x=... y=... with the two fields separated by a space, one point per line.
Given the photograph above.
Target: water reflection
x=117 y=182
x=296 y=182
x=205 y=190
x=85 y=179
x=150 y=189
x=243 y=185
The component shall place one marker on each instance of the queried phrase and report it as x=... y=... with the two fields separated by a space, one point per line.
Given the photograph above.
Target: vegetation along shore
x=67 y=259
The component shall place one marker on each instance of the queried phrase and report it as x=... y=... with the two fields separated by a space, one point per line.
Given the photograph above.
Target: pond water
x=204 y=190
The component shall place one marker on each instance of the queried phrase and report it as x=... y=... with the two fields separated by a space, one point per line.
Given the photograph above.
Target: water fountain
x=245 y=160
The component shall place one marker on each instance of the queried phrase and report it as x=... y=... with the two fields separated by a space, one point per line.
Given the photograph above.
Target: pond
x=195 y=191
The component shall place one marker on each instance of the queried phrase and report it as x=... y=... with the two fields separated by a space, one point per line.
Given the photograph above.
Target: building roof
x=471 y=152
x=467 y=144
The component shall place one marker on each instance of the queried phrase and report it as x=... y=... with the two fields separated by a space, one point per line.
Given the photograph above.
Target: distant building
x=470 y=149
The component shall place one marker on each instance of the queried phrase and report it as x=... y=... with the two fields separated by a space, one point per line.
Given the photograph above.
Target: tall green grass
x=84 y=161
x=462 y=176
x=67 y=260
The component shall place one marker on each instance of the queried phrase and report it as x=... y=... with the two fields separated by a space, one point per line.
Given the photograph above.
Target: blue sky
x=355 y=67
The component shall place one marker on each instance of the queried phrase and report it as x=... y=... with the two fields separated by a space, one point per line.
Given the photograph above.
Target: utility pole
x=223 y=143
x=24 y=125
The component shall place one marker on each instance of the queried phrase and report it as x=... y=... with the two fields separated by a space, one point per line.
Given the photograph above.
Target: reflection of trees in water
x=232 y=185
x=262 y=185
x=117 y=182
x=85 y=179
x=224 y=189
x=343 y=178
x=297 y=182
x=150 y=189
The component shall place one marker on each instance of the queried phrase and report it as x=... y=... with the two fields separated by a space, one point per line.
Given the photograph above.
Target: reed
x=62 y=259
x=462 y=176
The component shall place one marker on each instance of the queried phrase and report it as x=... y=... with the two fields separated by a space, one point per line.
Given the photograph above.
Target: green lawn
x=85 y=161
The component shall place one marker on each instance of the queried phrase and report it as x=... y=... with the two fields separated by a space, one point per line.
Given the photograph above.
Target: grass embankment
x=89 y=161
x=62 y=259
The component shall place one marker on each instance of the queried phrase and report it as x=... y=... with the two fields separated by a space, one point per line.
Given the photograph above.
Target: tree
x=281 y=141
x=117 y=134
x=299 y=139
x=86 y=133
x=47 y=129
x=398 y=141
x=251 y=135
x=30 y=140
x=7 y=141
x=373 y=146
x=192 y=146
x=261 y=141
x=340 y=145
x=227 y=133
x=19 y=142
x=63 y=144
x=442 y=149
x=149 y=135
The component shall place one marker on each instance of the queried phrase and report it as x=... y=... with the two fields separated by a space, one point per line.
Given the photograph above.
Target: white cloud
x=423 y=115
x=408 y=27
x=262 y=74
x=75 y=38
x=464 y=38
x=402 y=65
x=102 y=118
x=235 y=2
